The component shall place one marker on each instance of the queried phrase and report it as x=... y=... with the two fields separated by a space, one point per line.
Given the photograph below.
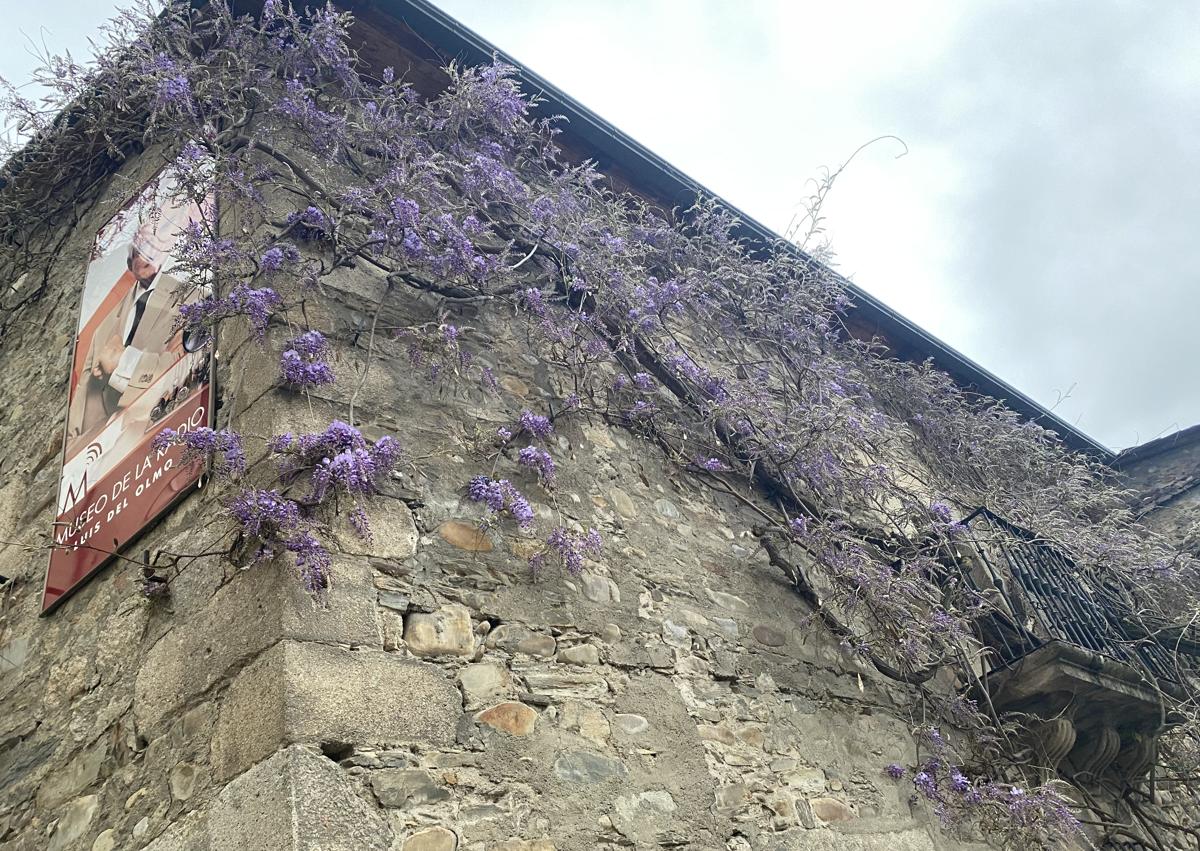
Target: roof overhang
x=640 y=169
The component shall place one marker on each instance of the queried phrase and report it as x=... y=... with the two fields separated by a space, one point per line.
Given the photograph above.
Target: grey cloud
x=1077 y=132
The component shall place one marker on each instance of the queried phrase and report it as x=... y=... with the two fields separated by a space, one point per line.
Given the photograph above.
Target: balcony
x=1064 y=647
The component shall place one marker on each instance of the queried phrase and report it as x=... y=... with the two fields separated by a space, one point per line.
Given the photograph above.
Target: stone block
x=832 y=840
x=74 y=822
x=465 y=536
x=483 y=682
x=585 y=719
x=580 y=654
x=510 y=717
x=446 y=632
x=831 y=809
x=296 y=800
x=517 y=639
x=302 y=692
x=403 y=787
x=80 y=773
x=432 y=839
x=251 y=722
x=589 y=768
x=642 y=816
x=559 y=682
x=257 y=608
x=631 y=724
x=393 y=532
x=728 y=602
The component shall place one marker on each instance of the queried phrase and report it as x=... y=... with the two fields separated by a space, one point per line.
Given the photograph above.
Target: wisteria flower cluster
x=278 y=524
x=223 y=449
x=302 y=363
x=338 y=460
x=256 y=304
x=501 y=496
x=571 y=549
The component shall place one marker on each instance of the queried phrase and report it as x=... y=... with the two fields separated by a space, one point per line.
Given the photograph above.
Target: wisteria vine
x=733 y=360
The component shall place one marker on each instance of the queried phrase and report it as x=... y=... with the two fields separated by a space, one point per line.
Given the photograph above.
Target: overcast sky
x=1043 y=222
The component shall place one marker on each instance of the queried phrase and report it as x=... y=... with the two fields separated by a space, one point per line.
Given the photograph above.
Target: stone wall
x=674 y=695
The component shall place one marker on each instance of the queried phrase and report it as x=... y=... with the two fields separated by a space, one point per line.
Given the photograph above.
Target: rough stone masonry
x=674 y=695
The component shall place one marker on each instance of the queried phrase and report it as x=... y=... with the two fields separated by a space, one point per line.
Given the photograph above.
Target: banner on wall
x=133 y=374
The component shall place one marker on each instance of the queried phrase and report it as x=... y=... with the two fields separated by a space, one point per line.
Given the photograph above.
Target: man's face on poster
x=144 y=270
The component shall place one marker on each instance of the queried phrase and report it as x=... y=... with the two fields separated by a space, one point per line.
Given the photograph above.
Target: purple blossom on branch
x=536 y=425
x=265 y=514
x=257 y=305
x=338 y=459
x=301 y=364
x=278 y=256
x=312 y=560
x=573 y=547
x=310 y=224
x=500 y=495
x=223 y=448
x=540 y=461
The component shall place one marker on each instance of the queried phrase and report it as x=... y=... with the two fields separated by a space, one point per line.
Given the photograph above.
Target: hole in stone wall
x=337 y=751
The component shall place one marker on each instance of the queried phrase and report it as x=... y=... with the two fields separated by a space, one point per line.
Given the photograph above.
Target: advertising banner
x=133 y=374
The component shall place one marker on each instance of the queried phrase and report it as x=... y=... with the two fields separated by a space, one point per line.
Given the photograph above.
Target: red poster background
x=118 y=507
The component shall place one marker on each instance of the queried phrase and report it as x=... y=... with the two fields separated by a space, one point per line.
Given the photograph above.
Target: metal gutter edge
x=456 y=40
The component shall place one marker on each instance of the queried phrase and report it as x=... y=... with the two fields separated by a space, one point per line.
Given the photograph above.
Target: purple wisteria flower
x=175 y=91
x=533 y=301
x=202 y=249
x=500 y=495
x=257 y=305
x=339 y=459
x=540 y=461
x=336 y=461
x=711 y=465
x=276 y=522
x=925 y=782
x=574 y=547
x=406 y=212
x=940 y=511
x=278 y=256
x=302 y=363
x=223 y=448
x=312 y=560
x=894 y=770
x=265 y=514
x=173 y=88
x=362 y=526
x=536 y=425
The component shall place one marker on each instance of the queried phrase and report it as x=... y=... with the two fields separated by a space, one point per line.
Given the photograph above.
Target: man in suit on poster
x=134 y=344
